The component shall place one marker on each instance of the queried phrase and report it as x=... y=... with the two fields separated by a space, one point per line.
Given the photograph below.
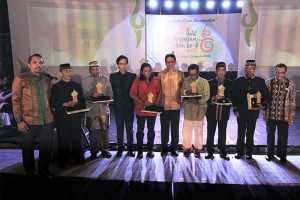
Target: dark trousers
x=44 y=135
x=98 y=140
x=168 y=117
x=122 y=117
x=282 y=129
x=69 y=142
x=211 y=129
x=140 y=131
x=246 y=127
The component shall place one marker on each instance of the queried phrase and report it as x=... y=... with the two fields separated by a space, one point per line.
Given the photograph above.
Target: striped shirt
x=30 y=99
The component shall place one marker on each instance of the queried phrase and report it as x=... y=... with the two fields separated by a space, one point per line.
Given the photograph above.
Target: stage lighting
x=183 y=5
x=226 y=4
x=152 y=7
x=239 y=3
x=194 y=4
x=210 y=4
x=168 y=4
x=153 y=3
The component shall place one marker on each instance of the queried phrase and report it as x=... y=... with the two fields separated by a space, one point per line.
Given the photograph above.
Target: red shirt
x=142 y=89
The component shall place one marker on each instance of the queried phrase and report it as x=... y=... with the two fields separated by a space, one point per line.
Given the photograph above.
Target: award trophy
x=253 y=100
x=77 y=108
x=101 y=98
x=192 y=93
x=152 y=108
x=221 y=94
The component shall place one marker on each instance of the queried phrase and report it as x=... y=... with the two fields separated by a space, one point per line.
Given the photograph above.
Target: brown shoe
x=187 y=152
x=197 y=153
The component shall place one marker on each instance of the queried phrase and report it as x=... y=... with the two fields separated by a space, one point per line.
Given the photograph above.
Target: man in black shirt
x=246 y=108
x=67 y=95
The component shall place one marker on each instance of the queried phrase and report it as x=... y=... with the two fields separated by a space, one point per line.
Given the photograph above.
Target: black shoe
x=224 y=156
x=174 y=153
x=105 y=154
x=93 y=156
x=47 y=174
x=197 y=154
x=140 y=155
x=248 y=157
x=283 y=160
x=130 y=153
x=164 y=153
x=238 y=156
x=63 y=165
x=209 y=156
x=119 y=153
x=150 y=154
x=186 y=154
x=269 y=158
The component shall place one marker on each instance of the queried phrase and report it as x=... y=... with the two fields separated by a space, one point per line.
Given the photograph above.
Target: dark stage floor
x=161 y=177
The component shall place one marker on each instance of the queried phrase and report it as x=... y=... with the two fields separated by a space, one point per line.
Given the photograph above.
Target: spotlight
x=153 y=3
x=168 y=4
x=210 y=4
x=194 y=4
x=226 y=4
x=183 y=5
x=239 y=3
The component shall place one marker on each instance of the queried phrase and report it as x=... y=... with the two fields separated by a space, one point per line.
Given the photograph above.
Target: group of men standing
x=38 y=107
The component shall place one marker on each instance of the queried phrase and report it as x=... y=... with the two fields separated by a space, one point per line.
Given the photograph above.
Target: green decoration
x=133 y=18
x=249 y=26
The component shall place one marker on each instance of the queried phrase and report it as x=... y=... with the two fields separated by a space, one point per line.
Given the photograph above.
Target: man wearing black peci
x=67 y=95
x=247 y=109
x=218 y=111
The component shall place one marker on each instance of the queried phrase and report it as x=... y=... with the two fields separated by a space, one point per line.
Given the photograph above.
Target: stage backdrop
x=201 y=39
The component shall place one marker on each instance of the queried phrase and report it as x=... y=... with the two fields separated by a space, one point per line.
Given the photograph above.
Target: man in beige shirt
x=171 y=81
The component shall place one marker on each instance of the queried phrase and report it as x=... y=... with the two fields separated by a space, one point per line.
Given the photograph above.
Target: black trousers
x=246 y=127
x=168 y=117
x=44 y=135
x=211 y=129
x=122 y=117
x=282 y=139
x=69 y=141
x=140 y=131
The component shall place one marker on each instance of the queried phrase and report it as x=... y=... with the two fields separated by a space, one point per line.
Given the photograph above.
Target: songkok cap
x=64 y=66
x=220 y=64
x=94 y=63
x=250 y=62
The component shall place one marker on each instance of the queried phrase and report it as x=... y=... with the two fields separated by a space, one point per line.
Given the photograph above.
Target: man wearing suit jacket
x=123 y=104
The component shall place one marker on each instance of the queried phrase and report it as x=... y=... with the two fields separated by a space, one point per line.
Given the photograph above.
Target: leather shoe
x=93 y=156
x=186 y=154
x=224 y=156
x=140 y=155
x=248 y=157
x=164 y=153
x=119 y=153
x=174 y=153
x=283 y=160
x=269 y=158
x=150 y=154
x=130 y=153
x=238 y=156
x=106 y=154
x=209 y=156
x=47 y=174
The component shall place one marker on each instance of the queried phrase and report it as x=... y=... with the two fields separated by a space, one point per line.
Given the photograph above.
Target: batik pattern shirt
x=283 y=103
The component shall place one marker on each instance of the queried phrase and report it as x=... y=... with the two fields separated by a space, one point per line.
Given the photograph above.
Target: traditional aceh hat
x=94 y=63
x=250 y=62
x=64 y=66
x=220 y=64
